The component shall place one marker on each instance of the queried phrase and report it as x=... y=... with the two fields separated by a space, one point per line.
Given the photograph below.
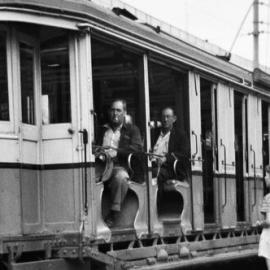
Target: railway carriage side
x=58 y=77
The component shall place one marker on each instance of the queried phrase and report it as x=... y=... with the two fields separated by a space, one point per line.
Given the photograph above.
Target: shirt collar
x=164 y=134
x=107 y=125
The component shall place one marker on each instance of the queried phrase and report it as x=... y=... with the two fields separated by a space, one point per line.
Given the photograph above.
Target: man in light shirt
x=123 y=138
x=171 y=144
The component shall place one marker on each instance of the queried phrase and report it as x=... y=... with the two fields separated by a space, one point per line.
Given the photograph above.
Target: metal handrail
x=129 y=164
x=174 y=166
x=84 y=133
x=225 y=173
x=254 y=177
x=196 y=152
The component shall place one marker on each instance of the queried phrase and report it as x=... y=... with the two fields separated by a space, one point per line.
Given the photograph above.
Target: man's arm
x=136 y=143
x=180 y=148
x=130 y=141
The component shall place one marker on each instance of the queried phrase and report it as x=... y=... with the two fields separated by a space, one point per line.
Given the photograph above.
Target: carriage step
x=171 y=220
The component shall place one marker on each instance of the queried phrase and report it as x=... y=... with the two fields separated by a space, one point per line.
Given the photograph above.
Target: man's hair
x=122 y=101
x=168 y=108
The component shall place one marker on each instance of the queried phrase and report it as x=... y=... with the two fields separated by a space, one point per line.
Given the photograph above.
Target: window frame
x=7 y=128
x=60 y=130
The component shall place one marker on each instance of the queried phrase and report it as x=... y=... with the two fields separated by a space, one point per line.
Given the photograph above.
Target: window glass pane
x=27 y=83
x=265 y=137
x=239 y=149
x=4 y=106
x=168 y=88
x=117 y=73
x=56 y=104
x=207 y=140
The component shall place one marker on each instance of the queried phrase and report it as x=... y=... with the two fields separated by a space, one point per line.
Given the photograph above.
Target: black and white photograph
x=134 y=135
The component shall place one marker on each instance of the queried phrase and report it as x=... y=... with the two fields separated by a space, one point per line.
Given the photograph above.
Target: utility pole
x=256 y=33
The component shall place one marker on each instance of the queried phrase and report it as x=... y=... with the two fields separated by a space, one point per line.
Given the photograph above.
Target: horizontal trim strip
x=197 y=173
x=251 y=178
x=223 y=175
x=6 y=165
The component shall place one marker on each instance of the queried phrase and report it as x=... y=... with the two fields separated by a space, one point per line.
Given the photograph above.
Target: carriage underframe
x=149 y=252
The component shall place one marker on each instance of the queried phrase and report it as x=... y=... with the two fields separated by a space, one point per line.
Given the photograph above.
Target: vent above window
x=124 y=12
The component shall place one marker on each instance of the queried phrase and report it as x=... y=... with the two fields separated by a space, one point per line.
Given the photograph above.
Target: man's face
x=267 y=180
x=167 y=119
x=117 y=113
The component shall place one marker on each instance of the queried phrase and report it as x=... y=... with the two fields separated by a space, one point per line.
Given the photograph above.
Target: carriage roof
x=78 y=14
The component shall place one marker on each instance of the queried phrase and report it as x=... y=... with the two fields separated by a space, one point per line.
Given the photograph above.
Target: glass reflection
x=27 y=83
x=4 y=105
x=56 y=106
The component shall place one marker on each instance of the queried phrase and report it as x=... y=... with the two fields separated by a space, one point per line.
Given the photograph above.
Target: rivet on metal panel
x=48 y=250
x=162 y=255
x=151 y=261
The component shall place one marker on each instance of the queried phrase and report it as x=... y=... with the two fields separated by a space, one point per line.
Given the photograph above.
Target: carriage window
x=168 y=89
x=168 y=93
x=208 y=148
x=27 y=84
x=117 y=73
x=239 y=103
x=265 y=132
x=4 y=107
x=56 y=105
x=246 y=135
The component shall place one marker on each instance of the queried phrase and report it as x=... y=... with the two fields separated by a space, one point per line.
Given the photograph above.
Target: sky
x=217 y=21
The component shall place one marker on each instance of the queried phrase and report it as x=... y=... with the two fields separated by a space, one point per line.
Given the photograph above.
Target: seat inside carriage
x=128 y=213
x=136 y=191
x=173 y=203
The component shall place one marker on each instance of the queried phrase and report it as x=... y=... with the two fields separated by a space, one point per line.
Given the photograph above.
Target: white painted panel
x=86 y=89
x=10 y=212
x=56 y=131
x=60 y=198
x=9 y=150
x=255 y=156
x=259 y=136
x=195 y=131
x=195 y=119
x=11 y=15
x=57 y=151
x=30 y=152
x=31 y=203
x=225 y=122
x=255 y=135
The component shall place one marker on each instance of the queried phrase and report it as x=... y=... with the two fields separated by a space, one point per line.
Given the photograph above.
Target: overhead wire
x=240 y=27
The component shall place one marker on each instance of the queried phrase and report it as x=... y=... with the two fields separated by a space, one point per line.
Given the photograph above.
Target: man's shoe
x=111 y=218
x=110 y=222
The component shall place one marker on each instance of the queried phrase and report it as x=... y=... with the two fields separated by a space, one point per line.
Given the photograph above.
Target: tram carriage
x=62 y=63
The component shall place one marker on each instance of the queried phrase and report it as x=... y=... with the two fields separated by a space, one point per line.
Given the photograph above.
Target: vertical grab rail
x=196 y=140
x=254 y=169
x=225 y=172
x=85 y=142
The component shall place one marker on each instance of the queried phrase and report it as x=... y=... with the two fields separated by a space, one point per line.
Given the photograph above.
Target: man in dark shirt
x=123 y=138
x=171 y=144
